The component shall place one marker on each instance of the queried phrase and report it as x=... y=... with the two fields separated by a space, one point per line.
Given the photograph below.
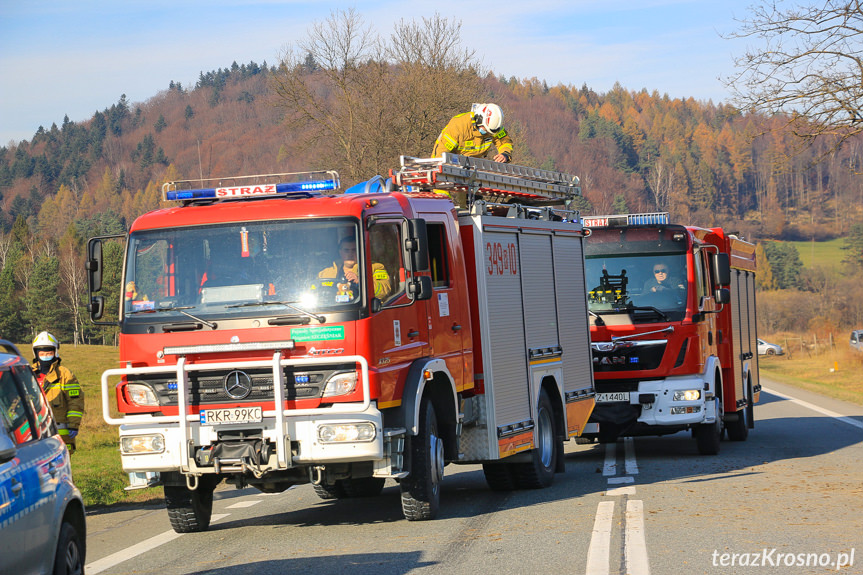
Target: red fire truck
x=672 y=313
x=273 y=335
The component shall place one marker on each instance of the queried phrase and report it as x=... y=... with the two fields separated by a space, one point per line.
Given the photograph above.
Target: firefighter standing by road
x=472 y=134
x=61 y=387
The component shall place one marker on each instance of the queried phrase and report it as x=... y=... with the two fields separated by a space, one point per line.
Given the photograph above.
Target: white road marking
x=813 y=407
x=138 y=549
x=615 y=491
x=600 y=540
x=629 y=460
x=619 y=480
x=241 y=504
x=610 y=467
x=635 y=546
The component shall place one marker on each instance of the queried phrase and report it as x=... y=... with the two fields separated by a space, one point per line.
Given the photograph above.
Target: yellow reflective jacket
x=461 y=136
x=64 y=394
x=382 y=284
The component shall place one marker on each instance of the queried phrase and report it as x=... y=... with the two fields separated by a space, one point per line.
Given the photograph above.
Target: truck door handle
x=414 y=333
x=17 y=486
x=456 y=327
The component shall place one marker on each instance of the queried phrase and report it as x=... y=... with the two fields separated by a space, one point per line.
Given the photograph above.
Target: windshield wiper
x=180 y=309
x=317 y=317
x=657 y=311
x=596 y=319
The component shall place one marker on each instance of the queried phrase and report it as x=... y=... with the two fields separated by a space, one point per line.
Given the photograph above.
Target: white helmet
x=488 y=116
x=46 y=340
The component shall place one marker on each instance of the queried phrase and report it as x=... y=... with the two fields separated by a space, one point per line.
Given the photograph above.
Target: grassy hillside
x=821 y=254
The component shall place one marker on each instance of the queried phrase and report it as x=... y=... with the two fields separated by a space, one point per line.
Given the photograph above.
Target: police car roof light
x=300 y=184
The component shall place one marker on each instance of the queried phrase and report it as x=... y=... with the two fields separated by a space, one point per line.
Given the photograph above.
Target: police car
x=42 y=527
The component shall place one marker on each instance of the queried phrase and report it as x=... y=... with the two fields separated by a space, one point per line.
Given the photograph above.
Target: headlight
x=687 y=395
x=141 y=394
x=346 y=432
x=138 y=444
x=341 y=384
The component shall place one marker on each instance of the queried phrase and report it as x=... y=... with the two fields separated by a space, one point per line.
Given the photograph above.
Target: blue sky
x=74 y=58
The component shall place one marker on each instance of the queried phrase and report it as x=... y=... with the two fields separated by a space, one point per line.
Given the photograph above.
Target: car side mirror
x=8 y=450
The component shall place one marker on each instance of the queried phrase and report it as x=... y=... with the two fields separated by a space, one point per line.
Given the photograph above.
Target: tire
x=189 y=511
x=329 y=491
x=739 y=430
x=539 y=472
x=499 y=476
x=421 y=489
x=363 y=486
x=69 y=559
x=709 y=435
x=771 y=351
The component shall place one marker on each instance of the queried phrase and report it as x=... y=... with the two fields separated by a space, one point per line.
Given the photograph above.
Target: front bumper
x=653 y=404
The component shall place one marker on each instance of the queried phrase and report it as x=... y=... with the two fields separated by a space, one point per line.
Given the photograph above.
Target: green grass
x=821 y=254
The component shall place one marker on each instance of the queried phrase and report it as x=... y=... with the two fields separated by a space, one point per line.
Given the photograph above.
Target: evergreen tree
x=784 y=260
x=854 y=247
x=42 y=309
x=11 y=326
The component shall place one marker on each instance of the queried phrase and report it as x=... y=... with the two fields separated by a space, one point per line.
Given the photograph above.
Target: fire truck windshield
x=651 y=287
x=244 y=269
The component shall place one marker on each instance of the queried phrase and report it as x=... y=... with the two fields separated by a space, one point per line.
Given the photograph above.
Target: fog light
x=687 y=395
x=141 y=394
x=346 y=432
x=685 y=410
x=341 y=384
x=138 y=444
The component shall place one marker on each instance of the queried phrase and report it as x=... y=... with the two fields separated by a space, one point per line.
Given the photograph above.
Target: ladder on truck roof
x=491 y=180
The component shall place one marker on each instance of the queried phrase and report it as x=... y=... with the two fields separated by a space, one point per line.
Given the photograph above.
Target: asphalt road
x=789 y=500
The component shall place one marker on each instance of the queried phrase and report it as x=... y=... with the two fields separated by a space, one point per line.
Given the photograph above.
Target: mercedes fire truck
x=274 y=333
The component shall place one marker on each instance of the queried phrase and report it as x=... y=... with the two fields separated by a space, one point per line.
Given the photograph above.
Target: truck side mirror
x=722 y=295
x=93 y=264
x=420 y=288
x=722 y=269
x=417 y=245
x=96 y=307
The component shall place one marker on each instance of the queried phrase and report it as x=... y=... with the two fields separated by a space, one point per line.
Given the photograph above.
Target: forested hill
x=639 y=151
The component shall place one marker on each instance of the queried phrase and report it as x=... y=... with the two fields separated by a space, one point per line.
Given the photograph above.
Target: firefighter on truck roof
x=60 y=385
x=473 y=133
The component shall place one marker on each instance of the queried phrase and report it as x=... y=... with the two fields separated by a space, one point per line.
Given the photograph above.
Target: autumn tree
x=373 y=99
x=809 y=66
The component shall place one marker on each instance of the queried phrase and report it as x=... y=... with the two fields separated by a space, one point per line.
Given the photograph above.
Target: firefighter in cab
x=473 y=133
x=60 y=386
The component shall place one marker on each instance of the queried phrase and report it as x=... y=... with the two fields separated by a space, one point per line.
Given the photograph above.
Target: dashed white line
x=241 y=504
x=629 y=459
x=813 y=407
x=619 y=480
x=635 y=546
x=600 y=540
x=615 y=491
x=610 y=467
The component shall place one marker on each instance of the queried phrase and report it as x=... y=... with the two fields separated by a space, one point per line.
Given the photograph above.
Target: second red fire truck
x=273 y=335
x=672 y=329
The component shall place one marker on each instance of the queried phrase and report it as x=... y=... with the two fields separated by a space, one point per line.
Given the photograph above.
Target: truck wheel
x=189 y=511
x=363 y=486
x=421 y=489
x=739 y=430
x=69 y=559
x=539 y=472
x=709 y=435
x=329 y=491
x=499 y=476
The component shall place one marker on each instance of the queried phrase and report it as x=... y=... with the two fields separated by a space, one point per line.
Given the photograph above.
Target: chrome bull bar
x=182 y=369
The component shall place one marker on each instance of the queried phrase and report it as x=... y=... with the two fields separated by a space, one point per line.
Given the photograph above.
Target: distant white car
x=857 y=339
x=765 y=348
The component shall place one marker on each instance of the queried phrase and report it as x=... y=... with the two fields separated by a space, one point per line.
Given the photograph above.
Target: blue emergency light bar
x=252 y=187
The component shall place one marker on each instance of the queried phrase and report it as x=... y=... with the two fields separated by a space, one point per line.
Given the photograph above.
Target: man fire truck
x=672 y=329
x=242 y=360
